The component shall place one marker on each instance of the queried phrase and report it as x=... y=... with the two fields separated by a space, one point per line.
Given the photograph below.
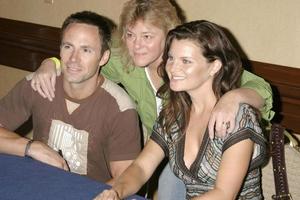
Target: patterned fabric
x=201 y=176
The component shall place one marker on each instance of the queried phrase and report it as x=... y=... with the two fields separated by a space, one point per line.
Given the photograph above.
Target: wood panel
x=24 y=45
x=285 y=82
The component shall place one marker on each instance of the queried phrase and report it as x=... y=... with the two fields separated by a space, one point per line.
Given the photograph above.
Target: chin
x=141 y=62
x=72 y=79
x=176 y=89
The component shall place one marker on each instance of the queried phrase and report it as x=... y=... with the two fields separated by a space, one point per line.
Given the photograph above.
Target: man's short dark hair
x=105 y=26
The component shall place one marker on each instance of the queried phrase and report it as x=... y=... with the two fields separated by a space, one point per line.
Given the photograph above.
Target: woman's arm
x=263 y=89
x=254 y=91
x=135 y=176
x=232 y=171
x=43 y=79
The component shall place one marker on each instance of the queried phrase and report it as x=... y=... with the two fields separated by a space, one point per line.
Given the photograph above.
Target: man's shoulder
x=119 y=94
x=23 y=84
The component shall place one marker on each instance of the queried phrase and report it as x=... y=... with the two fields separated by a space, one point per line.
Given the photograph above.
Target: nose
x=137 y=43
x=174 y=66
x=74 y=56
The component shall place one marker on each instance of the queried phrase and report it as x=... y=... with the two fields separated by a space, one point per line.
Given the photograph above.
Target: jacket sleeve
x=112 y=69
x=263 y=88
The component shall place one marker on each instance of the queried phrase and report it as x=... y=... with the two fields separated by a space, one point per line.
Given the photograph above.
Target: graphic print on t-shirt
x=73 y=144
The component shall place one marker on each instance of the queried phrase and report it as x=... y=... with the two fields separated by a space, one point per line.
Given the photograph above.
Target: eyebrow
x=143 y=32
x=86 y=46
x=82 y=46
x=148 y=32
x=186 y=57
x=68 y=43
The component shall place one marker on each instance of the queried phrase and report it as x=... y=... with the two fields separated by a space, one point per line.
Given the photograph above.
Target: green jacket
x=138 y=87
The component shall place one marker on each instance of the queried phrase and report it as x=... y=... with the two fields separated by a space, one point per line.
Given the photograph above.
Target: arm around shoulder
x=263 y=89
x=44 y=79
x=254 y=91
x=113 y=69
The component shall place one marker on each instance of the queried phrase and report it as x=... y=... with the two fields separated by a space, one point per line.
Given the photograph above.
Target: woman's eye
x=129 y=35
x=185 y=61
x=147 y=37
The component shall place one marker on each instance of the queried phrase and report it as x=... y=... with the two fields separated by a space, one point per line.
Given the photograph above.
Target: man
x=91 y=120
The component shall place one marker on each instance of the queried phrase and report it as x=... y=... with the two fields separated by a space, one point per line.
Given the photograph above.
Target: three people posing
x=143 y=27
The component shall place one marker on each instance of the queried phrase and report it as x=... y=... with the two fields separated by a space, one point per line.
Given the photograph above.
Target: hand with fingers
x=43 y=153
x=222 y=120
x=43 y=80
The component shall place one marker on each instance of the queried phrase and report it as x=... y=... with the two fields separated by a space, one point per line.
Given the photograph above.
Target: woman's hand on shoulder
x=222 y=119
x=43 y=80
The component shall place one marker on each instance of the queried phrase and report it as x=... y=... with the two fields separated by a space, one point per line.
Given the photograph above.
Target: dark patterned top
x=201 y=176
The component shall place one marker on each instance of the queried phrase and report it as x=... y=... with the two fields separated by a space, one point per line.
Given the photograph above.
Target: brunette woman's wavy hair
x=214 y=45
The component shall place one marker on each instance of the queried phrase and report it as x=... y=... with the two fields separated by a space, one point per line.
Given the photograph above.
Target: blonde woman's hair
x=160 y=13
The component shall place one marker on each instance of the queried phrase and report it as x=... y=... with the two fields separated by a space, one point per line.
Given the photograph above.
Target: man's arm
x=124 y=138
x=124 y=145
x=117 y=168
x=15 y=109
x=13 y=144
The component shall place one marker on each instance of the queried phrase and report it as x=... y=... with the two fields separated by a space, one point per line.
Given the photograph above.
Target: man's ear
x=215 y=67
x=105 y=57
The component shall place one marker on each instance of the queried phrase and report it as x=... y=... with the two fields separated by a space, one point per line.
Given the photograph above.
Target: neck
x=82 y=90
x=154 y=65
x=203 y=100
x=152 y=70
x=203 y=106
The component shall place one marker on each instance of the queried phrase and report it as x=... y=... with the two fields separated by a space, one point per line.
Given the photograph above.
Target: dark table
x=25 y=178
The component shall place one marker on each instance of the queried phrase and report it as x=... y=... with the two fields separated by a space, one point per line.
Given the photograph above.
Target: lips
x=178 y=77
x=139 y=54
x=73 y=69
